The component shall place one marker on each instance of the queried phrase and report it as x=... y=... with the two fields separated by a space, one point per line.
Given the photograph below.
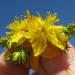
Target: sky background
x=65 y=9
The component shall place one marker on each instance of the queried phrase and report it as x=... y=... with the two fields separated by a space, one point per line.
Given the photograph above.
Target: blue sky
x=11 y=8
x=65 y=9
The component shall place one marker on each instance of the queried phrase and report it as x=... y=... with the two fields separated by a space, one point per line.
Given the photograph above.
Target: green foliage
x=70 y=29
x=19 y=57
x=3 y=42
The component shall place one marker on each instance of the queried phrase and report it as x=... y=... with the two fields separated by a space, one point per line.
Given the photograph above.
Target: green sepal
x=18 y=57
x=70 y=29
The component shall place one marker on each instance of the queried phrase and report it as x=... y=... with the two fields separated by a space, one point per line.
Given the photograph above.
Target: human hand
x=63 y=64
x=11 y=69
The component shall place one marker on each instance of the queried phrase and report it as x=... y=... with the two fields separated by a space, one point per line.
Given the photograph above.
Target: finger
x=7 y=68
x=71 y=52
x=70 y=45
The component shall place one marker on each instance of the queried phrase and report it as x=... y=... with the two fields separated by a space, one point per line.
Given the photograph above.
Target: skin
x=62 y=64
x=7 y=68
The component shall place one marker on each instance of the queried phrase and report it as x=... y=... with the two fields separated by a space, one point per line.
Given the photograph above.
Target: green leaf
x=3 y=41
x=71 y=29
x=23 y=55
x=16 y=56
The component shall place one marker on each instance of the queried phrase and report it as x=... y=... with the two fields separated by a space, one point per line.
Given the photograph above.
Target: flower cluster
x=32 y=34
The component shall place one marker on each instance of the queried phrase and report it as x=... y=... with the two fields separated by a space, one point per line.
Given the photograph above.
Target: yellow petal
x=52 y=38
x=39 y=43
x=18 y=38
x=51 y=19
x=63 y=38
x=27 y=14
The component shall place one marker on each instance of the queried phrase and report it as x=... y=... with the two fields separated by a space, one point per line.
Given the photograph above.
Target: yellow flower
x=39 y=32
